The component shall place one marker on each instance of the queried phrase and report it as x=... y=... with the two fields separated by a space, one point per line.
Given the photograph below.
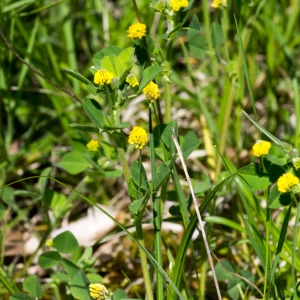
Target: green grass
x=227 y=77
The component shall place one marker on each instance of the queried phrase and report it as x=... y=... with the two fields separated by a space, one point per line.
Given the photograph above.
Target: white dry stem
x=198 y=215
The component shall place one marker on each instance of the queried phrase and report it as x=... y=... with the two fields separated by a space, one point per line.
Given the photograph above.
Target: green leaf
x=119 y=64
x=59 y=276
x=255 y=178
x=43 y=181
x=32 y=286
x=113 y=173
x=225 y=222
x=56 y=202
x=217 y=35
x=19 y=296
x=196 y=39
x=70 y=267
x=49 y=259
x=163 y=172
x=112 y=64
x=94 y=111
x=148 y=75
x=224 y=269
x=126 y=56
x=105 y=52
x=119 y=139
x=277 y=199
x=121 y=126
x=87 y=128
x=7 y=195
x=138 y=175
x=92 y=89
x=135 y=206
x=167 y=134
x=94 y=278
x=277 y=155
x=80 y=287
x=78 y=76
x=65 y=242
x=190 y=143
x=119 y=295
x=74 y=162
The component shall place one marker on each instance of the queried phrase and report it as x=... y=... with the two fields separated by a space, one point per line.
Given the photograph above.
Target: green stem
x=167 y=90
x=295 y=246
x=111 y=105
x=157 y=220
x=268 y=226
x=144 y=263
x=11 y=287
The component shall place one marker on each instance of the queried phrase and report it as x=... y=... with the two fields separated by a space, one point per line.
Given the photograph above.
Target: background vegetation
x=39 y=101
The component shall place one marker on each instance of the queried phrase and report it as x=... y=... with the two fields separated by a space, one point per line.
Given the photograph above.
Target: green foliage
x=212 y=66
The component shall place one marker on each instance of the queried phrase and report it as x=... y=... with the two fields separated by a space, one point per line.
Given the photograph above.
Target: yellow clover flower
x=102 y=77
x=178 y=4
x=99 y=291
x=219 y=3
x=261 y=148
x=138 y=137
x=151 y=91
x=93 y=145
x=286 y=182
x=132 y=80
x=137 y=30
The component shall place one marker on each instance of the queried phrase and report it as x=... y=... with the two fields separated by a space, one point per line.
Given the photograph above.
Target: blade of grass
x=246 y=69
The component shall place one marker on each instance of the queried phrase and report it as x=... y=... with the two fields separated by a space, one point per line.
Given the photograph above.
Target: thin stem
x=295 y=246
x=268 y=225
x=156 y=211
x=143 y=256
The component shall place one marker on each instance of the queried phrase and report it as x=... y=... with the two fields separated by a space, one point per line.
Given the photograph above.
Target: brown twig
x=35 y=71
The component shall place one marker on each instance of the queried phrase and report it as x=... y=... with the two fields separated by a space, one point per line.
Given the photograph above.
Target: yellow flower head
x=286 y=182
x=151 y=91
x=138 y=137
x=261 y=148
x=132 y=80
x=178 y=4
x=103 y=77
x=137 y=30
x=219 y=3
x=93 y=145
x=99 y=291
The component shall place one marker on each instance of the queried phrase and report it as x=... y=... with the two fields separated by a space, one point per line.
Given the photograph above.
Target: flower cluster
x=261 y=148
x=93 y=145
x=138 y=137
x=178 y=4
x=219 y=3
x=137 y=30
x=132 y=80
x=99 y=291
x=151 y=91
x=102 y=77
x=287 y=182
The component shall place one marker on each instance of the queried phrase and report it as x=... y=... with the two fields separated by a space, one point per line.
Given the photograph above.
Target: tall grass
x=229 y=76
